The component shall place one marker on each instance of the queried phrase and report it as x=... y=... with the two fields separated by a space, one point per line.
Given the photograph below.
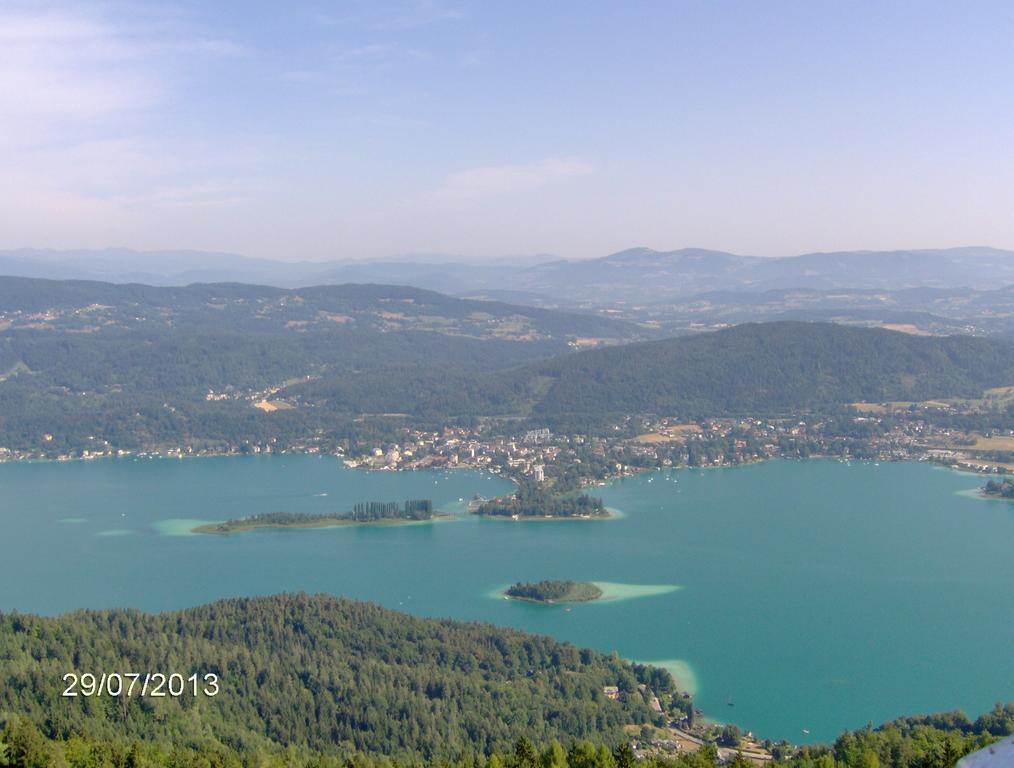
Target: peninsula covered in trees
x=555 y=591
x=322 y=682
x=324 y=674
x=364 y=513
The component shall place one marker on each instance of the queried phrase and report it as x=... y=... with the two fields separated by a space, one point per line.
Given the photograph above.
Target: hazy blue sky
x=360 y=130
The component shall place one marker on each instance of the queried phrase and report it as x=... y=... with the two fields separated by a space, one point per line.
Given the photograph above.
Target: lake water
x=811 y=595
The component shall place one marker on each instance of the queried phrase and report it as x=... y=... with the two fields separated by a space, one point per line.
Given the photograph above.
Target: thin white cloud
x=375 y=53
x=422 y=13
x=478 y=184
x=60 y=65
x=391 y=16
x=214 y=46
x=203 y=195
x=84 y=147
x=371 y=51
x=67 y=75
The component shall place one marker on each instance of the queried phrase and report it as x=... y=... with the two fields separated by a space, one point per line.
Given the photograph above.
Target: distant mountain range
x=177 y=268
x=644 y=275
x=639 y=275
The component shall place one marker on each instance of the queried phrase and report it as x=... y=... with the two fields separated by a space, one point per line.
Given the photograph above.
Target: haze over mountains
x=636 y=275
x=183 y=267
x=642 y=274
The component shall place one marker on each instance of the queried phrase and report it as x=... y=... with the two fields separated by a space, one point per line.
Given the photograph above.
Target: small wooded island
x=531 y=502
x=550 y=592
x=364 y=513
x=1000 y=489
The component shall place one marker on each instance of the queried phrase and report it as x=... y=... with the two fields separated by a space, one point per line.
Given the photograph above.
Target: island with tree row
x=550 y=592
x=363 y=513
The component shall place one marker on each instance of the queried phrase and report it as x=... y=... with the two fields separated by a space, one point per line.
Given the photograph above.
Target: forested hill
x=98 y=367
x=770 y=367
x=322 y=682
x=752 y=369
x=318 y=672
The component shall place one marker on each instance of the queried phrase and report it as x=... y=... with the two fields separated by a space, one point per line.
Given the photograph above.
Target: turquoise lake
x=811 y=595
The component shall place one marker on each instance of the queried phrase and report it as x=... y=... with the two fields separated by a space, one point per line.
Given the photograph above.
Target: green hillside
x=937 y=743
x=142 y=367
x=751 y=369
x=320 y=681
x=321 y=673
x=773 y=367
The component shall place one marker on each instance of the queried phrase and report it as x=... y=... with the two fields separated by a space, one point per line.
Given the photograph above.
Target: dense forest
x=771 y=368
x=318 y=673
x=322 y=681
x=329 y=683
x=22 y=745
x=754 y=369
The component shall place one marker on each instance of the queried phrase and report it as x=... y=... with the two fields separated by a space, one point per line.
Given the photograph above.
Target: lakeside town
x=540 y=455
x=862 y=432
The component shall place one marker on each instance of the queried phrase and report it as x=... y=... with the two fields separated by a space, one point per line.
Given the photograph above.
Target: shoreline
x=583 y=484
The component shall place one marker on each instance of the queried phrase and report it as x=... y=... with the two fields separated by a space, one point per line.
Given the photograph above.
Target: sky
x=366 y=130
